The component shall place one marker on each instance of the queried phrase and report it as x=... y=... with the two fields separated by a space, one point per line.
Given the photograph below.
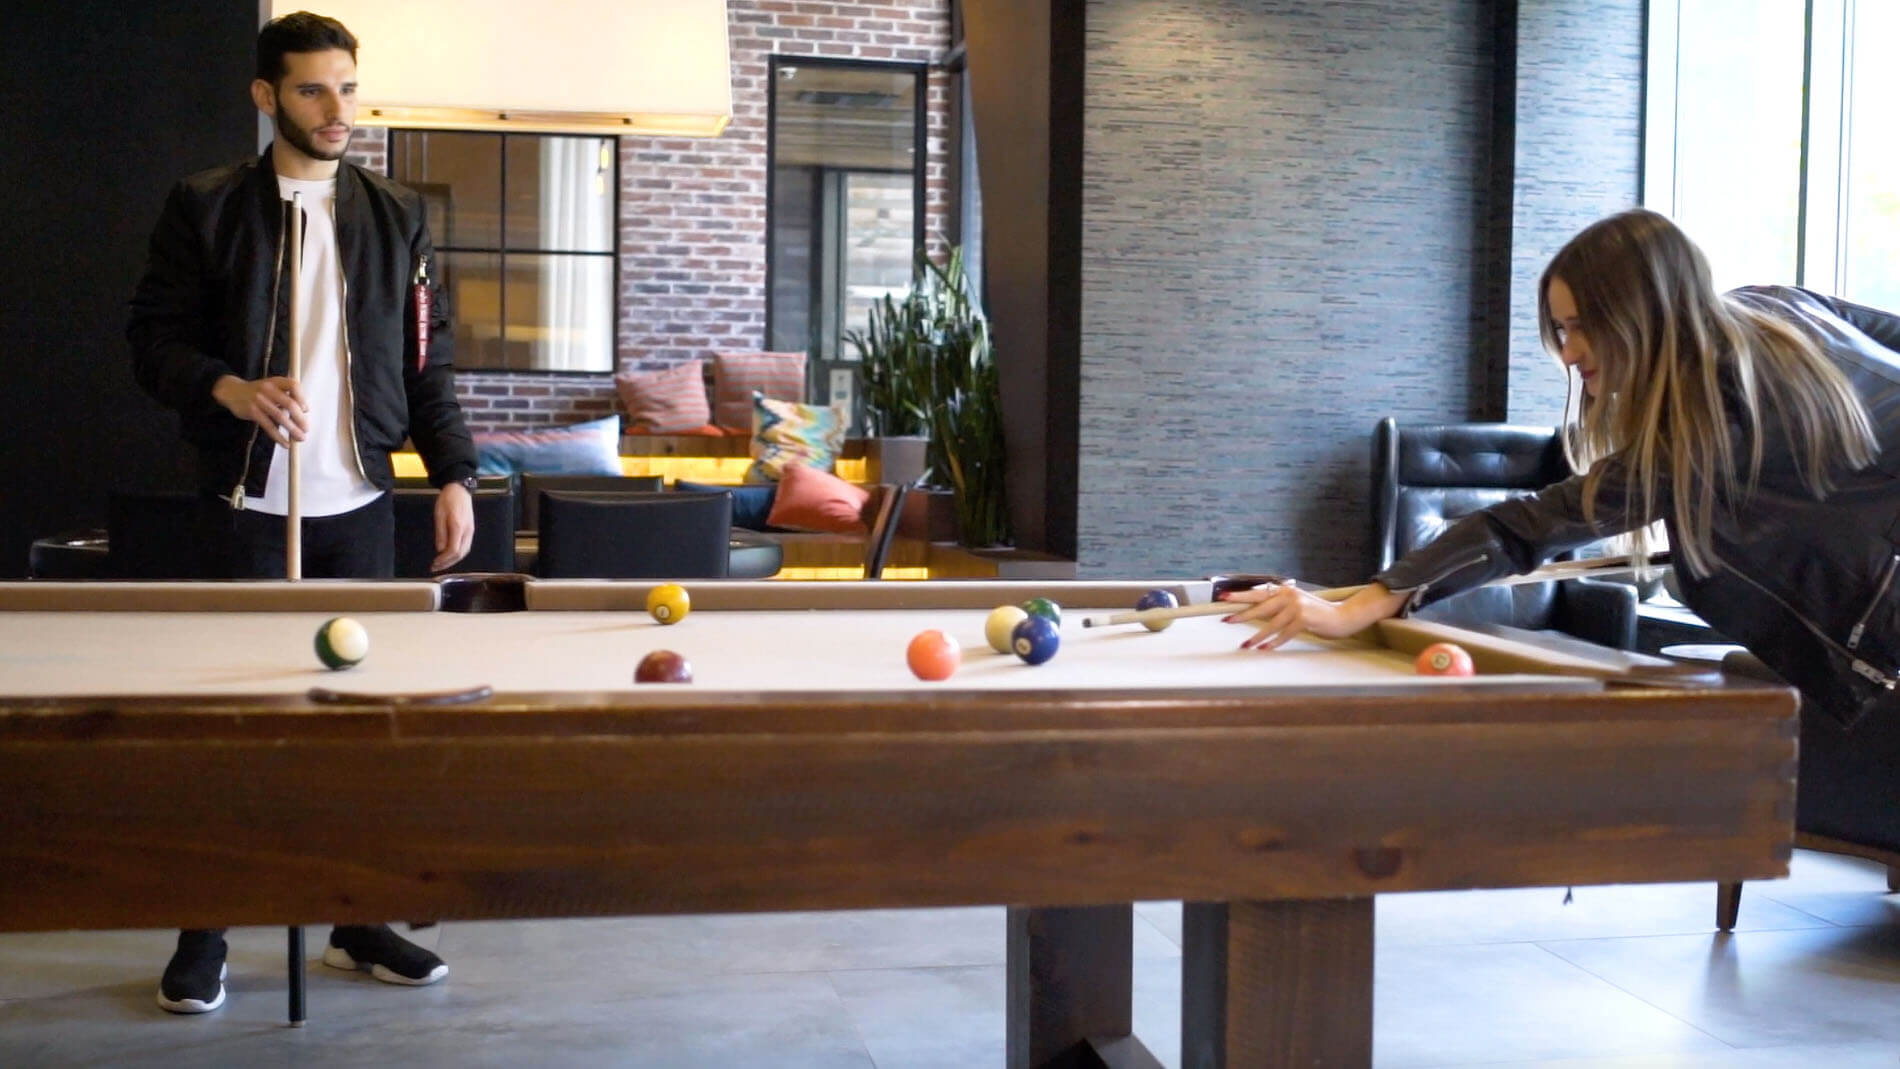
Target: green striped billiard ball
x=341 y=642
x=1044 y=608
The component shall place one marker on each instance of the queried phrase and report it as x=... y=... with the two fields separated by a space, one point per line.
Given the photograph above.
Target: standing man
x=210 y=338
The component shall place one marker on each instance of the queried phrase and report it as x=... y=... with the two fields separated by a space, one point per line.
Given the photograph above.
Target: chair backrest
x=1425 y=477
x=493 y=549
x=635 y=535
x=881 y=514
x=532 y=485
x=154 y=535
x=510 y=483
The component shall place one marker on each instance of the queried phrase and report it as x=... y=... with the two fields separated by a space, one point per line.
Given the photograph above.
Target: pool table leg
x=295 y=945
x=1276 y=983
x=1071 y=977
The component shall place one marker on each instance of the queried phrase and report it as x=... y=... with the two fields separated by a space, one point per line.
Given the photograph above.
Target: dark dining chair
x=154 y=534
x=492 y=551
x=634 y=536
x=532 y=485
x=881 y=514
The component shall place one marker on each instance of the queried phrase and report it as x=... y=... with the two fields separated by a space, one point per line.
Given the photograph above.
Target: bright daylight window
x=1774 y=192
x=524 y=230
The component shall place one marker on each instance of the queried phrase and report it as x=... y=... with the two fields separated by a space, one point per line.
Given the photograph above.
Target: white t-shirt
x=332 y=481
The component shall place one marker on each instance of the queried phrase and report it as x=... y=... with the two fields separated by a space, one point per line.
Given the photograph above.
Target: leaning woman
x=1760 y=426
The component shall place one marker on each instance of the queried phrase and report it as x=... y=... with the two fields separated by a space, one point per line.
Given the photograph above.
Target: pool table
x=1275 y=793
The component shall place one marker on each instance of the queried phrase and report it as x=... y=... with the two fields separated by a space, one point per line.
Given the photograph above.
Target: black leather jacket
x=1809 y=586
x=215 y=300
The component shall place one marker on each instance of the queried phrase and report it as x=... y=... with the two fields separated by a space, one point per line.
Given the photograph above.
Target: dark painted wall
x=106 y=105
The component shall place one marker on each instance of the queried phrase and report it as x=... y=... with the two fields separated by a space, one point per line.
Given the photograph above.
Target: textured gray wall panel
x=1579 y=140
x=1284 y=219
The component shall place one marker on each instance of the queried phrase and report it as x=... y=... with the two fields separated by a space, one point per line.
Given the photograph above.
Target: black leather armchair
x=1426 y=477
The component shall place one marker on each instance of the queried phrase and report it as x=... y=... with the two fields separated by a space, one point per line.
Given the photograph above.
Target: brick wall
x=692 y=211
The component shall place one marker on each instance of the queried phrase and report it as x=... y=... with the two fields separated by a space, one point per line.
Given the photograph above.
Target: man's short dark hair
x=299 y=31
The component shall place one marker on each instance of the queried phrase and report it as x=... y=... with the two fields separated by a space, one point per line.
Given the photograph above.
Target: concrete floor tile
x=1832 y=1056
x=782 y=1020
x=1468 y=1005
x=1761 y=989
x=1523 y=915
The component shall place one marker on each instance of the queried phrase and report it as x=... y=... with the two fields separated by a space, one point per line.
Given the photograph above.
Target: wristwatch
x=469 y=483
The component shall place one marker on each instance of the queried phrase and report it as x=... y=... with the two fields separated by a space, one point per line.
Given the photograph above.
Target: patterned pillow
x=786 y=432
x=736 y=376
x=669 y=401
x=581 y=449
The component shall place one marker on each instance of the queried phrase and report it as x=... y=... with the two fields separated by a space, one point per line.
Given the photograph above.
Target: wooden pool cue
x=293 y=513
x=1569 y=569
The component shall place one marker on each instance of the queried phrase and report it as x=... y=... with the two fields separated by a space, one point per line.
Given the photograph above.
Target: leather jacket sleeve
x=169 y=323
x=1515 y=536
x=435 y=416
x=1883 y=327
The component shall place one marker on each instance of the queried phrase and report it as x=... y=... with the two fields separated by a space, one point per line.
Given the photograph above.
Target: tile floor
x=1621 y=978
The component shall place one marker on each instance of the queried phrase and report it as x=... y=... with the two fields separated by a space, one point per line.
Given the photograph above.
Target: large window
x=846 y=216
x=1767 y=138
x=524 y=228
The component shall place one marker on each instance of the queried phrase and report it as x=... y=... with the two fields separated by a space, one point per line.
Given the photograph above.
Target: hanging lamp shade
x=657 y=67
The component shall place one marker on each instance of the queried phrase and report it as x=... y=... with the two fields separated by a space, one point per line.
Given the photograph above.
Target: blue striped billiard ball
x=1156 y=599
x=1035 y=640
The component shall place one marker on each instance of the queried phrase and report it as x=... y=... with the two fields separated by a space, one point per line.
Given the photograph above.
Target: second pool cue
x=1559 y=570
x=293 y=511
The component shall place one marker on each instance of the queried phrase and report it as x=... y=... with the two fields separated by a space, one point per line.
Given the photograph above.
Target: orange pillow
x=668 y=401
x=814 y=500
x=779 y=376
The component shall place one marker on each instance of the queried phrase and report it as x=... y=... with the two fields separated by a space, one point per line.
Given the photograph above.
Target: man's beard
x=302 y=141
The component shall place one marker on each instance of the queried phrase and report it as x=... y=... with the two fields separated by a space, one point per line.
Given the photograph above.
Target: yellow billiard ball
x=1001 y=624
x=669 y=603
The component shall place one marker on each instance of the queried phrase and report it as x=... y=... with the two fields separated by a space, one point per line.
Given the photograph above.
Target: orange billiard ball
x=1443 y=659
x=933 y=655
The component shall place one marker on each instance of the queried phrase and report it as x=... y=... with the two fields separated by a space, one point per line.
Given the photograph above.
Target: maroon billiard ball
x=663 y=666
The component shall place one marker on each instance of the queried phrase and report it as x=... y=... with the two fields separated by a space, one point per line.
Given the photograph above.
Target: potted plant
x=927 y=369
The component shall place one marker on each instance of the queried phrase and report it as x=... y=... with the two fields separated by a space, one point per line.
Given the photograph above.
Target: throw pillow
x=736 y=376
x=814 y=500
x=786 y=432
x=581 y=449
x=669 y=401
x=751 y=505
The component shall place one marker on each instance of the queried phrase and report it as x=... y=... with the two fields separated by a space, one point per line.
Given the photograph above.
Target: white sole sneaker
x=194 y=1005
x=338 y=958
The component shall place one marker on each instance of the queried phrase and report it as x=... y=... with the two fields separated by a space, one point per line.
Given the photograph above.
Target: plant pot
x=898 y=461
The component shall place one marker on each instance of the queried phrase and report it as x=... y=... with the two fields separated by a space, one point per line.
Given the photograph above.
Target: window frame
x=1821 y=238
x=613 y=253
x=920 y=174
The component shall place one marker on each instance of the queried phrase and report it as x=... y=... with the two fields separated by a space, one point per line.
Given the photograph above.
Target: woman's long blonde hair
x=1667 y=347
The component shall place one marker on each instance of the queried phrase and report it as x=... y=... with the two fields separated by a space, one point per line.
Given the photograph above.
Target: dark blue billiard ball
x=1035 y=640
x=1156 y=599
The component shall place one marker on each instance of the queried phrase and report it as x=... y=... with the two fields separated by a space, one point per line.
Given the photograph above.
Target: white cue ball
x=1001 y=624
x=342 y=642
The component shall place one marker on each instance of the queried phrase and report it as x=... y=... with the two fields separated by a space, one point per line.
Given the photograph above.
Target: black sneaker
x=388 y=956
x=194 y=978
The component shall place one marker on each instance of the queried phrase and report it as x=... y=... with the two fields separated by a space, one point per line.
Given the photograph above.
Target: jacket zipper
x=270 y=337
x=343 y=320
x=1860 y=625
x=1417 y=593
x=1860 y=667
